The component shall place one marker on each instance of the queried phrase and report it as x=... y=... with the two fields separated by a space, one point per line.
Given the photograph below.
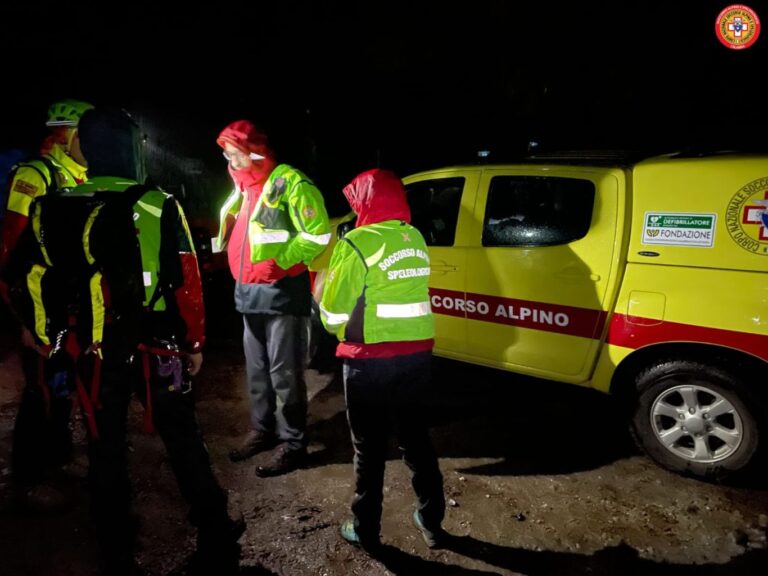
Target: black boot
x=218 y=551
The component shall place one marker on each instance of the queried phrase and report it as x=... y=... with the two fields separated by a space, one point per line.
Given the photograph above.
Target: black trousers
x=42 y=439
x=385 y=396
x=175 y=421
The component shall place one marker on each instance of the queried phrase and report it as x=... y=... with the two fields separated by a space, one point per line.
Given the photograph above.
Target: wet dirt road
x=541 y=478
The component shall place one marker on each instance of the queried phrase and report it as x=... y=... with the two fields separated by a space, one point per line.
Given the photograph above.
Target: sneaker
x=433 y=537
x=348 y=532
x=253 y=443
x=283 y=460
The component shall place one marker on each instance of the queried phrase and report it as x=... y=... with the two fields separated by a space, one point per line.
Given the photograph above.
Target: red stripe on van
x=569 y=320
x=641 y=332
x=588 y=323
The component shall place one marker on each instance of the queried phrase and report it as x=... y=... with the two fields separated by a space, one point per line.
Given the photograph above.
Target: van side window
x=537 y=210
x=435 y=209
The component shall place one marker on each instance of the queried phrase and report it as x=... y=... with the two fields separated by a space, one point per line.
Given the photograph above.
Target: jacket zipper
x=245 y=234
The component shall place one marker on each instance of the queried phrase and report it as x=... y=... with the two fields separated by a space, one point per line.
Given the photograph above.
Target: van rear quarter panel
x=732 y=188
x=687 y=290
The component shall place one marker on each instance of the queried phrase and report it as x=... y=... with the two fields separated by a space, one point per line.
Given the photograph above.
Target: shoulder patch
x=25 y=188
x=308 y=212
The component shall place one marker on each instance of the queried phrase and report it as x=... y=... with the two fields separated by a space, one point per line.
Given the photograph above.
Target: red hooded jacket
x=247 y=138
x=378 y=196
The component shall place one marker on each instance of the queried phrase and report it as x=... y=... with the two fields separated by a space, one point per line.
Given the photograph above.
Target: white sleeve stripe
x=276 y=237
x=334 y=319
x=322 y=239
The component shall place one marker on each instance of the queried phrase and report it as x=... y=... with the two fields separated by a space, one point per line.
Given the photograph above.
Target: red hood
x=245 y=136
x=377 y=196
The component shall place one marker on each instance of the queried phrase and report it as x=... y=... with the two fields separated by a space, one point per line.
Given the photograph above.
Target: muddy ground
x=542 y=479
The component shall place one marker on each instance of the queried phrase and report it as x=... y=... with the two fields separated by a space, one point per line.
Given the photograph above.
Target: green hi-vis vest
x=99 y=248
x=289 y=222
x=378 y=286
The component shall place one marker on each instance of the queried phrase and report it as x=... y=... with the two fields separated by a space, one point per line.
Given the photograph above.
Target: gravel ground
x=541 y=478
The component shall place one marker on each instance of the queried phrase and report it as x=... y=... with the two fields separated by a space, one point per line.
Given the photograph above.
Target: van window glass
x=537 y=210
x=435 y=208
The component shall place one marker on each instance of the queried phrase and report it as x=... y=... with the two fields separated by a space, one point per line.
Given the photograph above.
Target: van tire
x=695 y=406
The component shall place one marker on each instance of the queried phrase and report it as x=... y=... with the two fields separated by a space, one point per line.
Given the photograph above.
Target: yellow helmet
x=66 y=112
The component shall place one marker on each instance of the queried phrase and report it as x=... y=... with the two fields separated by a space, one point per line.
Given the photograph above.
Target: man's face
x=237 y=158
x=74 y=148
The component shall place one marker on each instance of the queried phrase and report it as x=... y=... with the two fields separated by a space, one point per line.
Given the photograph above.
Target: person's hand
x=194 y=362
x=28 y=341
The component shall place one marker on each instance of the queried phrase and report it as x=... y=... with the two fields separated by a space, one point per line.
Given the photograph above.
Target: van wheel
x=693 y=417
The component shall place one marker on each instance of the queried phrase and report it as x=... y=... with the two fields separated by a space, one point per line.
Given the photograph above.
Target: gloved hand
x=193 y=362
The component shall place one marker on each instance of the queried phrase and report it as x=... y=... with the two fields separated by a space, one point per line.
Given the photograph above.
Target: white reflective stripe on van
x=333 y=319
x=276 y=237
x=322 y=239
x=402 y=310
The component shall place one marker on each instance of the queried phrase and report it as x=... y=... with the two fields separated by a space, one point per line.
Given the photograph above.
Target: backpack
x=84 y=271
x=83 y=291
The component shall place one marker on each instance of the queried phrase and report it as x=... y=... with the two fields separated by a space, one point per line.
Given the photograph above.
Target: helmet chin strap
x=70 y=136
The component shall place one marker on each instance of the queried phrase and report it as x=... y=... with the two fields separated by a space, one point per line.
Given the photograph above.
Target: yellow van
x=646 y=280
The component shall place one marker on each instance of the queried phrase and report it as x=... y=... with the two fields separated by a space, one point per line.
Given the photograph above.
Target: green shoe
x=348 y=532
x=433 y=537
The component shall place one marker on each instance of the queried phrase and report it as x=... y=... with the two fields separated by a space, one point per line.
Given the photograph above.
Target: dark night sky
x=410 y=85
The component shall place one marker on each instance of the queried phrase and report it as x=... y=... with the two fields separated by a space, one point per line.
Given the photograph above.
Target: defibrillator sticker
x=746 y=217
x=679 y=229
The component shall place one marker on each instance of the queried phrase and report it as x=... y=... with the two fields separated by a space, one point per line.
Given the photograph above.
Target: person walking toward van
x=376 y=301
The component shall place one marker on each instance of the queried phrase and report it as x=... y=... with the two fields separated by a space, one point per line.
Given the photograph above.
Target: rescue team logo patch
x=308 y=212
x=679 y=229
x=25 y=188
x=737 y=27
x=747 y=217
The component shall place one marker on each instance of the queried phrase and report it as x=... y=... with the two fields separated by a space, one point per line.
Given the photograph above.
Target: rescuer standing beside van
x=376 y=300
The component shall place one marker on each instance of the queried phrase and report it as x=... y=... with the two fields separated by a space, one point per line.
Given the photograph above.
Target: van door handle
x=443 y=266
x=572 y=275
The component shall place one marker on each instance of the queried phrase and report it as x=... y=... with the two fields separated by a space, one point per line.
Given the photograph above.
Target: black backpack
x=83 y=270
